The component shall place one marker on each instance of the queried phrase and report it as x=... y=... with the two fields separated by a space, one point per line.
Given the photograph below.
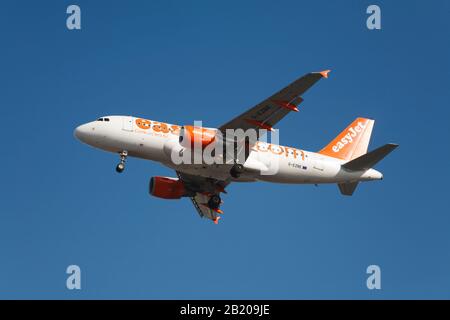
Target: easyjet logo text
x=158 y=127
x=349 y=137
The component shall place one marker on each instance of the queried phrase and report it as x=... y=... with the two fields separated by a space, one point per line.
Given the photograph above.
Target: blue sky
x=177 y=61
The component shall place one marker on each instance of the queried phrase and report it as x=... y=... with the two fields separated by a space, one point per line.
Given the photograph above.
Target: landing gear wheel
x=120 y=167
x=214 y=202
x=237 y=170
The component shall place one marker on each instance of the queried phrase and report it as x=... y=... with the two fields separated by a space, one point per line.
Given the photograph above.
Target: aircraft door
x=127 y=123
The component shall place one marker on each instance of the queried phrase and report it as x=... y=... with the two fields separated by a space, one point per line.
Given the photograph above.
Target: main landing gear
x=237 y=170
x=121 y=166
x=214 y=202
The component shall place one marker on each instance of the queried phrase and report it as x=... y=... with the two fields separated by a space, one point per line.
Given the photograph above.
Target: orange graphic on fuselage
x=278 y=150
x=206 y=136
x=159 y=127
x=143 y=123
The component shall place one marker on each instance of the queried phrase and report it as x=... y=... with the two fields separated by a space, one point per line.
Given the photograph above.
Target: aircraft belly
x=138 y=145
x=218 y=172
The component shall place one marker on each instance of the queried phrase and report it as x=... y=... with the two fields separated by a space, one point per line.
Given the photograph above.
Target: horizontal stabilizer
x=347 y=188
x=368 y=160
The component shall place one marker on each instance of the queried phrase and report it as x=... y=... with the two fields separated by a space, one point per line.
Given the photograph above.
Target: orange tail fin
x=352 y=142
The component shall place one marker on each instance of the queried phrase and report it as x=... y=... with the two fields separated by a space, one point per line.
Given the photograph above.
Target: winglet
x=216 y=220
x=324 y=73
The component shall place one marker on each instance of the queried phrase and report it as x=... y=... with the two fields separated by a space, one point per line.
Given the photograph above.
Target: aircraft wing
x=266 y=114
x=202 y=189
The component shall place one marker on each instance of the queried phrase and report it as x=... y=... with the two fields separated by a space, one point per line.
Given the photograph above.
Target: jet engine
x=167 y=188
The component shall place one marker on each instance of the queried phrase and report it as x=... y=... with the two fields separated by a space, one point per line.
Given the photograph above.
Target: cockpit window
x=100 y=119
x=106 y=119
x=103 y=119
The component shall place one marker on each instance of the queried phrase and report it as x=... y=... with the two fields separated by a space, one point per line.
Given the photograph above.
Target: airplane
x=344 y=161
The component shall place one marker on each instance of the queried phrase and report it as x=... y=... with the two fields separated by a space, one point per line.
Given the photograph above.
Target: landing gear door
x=127 y=123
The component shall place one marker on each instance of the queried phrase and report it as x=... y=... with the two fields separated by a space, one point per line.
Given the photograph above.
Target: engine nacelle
x=191 y=136
x=167 y=188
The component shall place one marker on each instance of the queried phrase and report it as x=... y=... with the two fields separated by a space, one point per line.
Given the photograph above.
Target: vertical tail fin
x=352 y=142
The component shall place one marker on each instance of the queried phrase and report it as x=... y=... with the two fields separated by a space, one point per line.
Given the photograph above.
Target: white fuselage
x=266 y=162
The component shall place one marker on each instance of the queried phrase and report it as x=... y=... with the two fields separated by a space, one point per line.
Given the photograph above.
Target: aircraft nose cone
x=81 y=132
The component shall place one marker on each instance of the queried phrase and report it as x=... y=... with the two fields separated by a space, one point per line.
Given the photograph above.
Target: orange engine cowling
x=166 y=188
x=193 y=135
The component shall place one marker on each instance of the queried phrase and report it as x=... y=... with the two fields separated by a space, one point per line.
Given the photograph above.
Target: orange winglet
x=216 y=220
x=218 y=211
x=325 y=73
x=259 y=124
x=285 y=104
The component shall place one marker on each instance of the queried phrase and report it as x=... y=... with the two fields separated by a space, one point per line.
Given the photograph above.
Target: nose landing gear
x=123 y=157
